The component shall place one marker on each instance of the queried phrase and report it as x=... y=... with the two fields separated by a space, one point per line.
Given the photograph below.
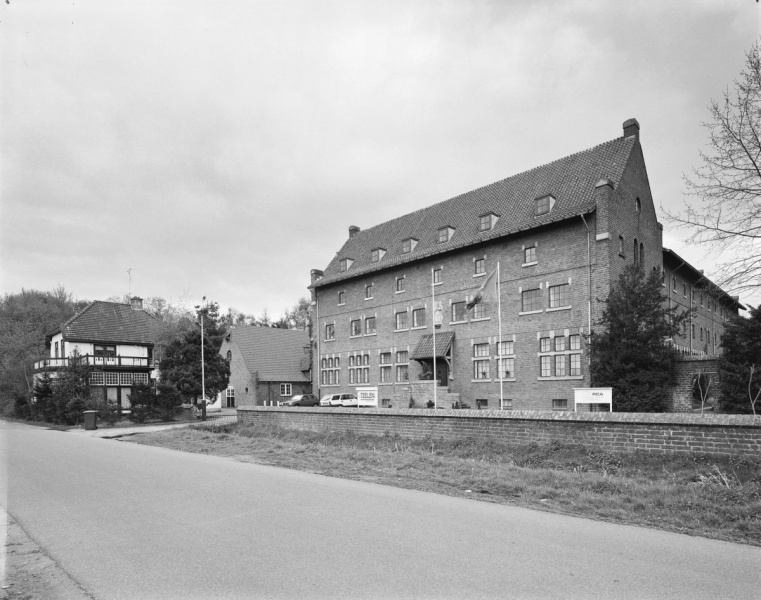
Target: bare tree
x=753 y=398
x=701 y=386
x=728 y=184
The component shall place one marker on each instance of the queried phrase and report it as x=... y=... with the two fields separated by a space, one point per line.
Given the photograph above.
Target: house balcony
x=109 y=362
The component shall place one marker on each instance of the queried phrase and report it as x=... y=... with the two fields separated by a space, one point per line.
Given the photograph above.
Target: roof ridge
x=363 y=232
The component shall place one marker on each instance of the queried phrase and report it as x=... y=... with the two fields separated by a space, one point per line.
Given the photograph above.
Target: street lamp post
x=203 y=372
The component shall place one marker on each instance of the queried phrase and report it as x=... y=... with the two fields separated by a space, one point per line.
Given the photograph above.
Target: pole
x=203 y=372
x=433 y=322
x=499 y=353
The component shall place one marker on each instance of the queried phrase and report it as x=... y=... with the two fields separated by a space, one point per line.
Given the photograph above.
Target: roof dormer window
x=377 y=254
x=408 y=245
x=345 y=264
x=487 y=221
x=445 y=234
x=544 y=204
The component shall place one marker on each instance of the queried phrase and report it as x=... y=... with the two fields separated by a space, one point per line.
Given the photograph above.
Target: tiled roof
x=111 y=322
x=275 y=353
x=571 y=180
x=425 y=345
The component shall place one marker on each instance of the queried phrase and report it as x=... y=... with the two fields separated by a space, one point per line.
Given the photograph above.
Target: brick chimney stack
x=631 y=127
x=136 y=303
x=353 y=230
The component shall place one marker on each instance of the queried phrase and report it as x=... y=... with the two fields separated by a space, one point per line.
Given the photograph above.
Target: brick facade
x=620 y=432
x=366 y=330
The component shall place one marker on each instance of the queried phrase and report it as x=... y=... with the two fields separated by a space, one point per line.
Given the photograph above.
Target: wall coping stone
x=686 y=419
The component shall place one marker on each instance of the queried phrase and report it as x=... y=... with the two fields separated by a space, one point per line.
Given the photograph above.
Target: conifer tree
x=632 y=350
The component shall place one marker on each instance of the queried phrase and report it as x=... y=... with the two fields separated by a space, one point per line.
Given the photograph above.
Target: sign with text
x=367 y=396
x=593 y=396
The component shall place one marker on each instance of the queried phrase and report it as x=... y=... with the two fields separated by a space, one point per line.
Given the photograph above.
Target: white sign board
x=367 y=396
x=593 y=396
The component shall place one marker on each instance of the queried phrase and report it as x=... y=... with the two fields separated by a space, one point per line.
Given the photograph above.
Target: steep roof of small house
x=112 y=322
x=570 y=180
x=276 y=354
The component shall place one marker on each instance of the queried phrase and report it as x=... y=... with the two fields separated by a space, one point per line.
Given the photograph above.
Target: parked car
x=302 y=400
x=349 y=400
x=337 y=399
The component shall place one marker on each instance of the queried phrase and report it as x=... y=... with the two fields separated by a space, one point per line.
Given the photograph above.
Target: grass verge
x=698 y=495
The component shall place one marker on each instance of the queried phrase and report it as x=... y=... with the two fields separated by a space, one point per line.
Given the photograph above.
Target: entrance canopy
x=425 y=346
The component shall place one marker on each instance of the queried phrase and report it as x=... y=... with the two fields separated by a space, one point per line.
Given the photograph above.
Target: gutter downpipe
x=589 y=301
x=318 y=374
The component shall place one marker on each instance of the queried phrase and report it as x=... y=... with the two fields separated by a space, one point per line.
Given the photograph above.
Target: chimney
x=631 y=127
x=316 y=274
x=353 y=230
x=136 y=303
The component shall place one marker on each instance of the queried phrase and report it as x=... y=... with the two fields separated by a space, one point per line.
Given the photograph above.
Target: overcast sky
x=224 y=148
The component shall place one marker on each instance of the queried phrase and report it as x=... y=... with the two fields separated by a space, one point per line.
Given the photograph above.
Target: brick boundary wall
x=650 y=432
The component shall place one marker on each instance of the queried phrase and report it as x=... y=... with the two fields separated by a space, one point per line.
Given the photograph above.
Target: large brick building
x=561 y=234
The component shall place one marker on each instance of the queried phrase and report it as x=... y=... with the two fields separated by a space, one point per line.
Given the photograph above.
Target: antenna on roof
x=129 y=282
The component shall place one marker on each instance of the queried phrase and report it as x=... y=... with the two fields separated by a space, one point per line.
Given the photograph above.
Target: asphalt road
x=131 y=521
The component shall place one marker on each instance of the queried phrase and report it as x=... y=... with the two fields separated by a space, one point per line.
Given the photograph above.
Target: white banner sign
x=593 y=396
x=367 y=396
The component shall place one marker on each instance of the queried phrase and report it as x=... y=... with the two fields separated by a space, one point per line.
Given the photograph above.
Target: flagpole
x=499 y=347
x=433 y=323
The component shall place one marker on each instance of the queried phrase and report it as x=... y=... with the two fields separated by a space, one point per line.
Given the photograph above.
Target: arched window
x=229 y=355
x=638 y=205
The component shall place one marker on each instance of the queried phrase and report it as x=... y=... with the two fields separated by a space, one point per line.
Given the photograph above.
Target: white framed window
x=418 y=317
x=445 y=234
x=112 y=378
x=97 y=378
x=481 y=369
x=436 y=276
x=544 y=205
x=286 y=389
x=400 y=284
x=125 y=378
x=545 y=366
x=141 y=378
x=368 y=291
x=408 y=245
x=559 y=295
x=480 y=350
x=507 y=404
x=487 y=221
x=401 y=320
x=355 y=327
x=545 y=344
x=506 y=347
x=402 y=373
x=459 y=312
x=479 y=310
x=560 y=365
x=529 y=255
x=341 y=298
x=559 y=344
x=531 y=300
x=574 y=342
x=345 y=264
x=377 y=254
x=575 y=364
x=479 y=266
x=369 y=325
x=330 y=331
x=506 y=367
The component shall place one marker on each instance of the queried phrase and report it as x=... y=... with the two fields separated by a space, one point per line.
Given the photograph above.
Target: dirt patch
x=30 y=574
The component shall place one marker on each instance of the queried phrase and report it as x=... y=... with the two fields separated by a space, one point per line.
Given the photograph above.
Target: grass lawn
x=698 y=495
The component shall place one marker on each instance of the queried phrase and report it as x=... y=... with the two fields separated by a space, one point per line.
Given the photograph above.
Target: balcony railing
x=97 y=361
